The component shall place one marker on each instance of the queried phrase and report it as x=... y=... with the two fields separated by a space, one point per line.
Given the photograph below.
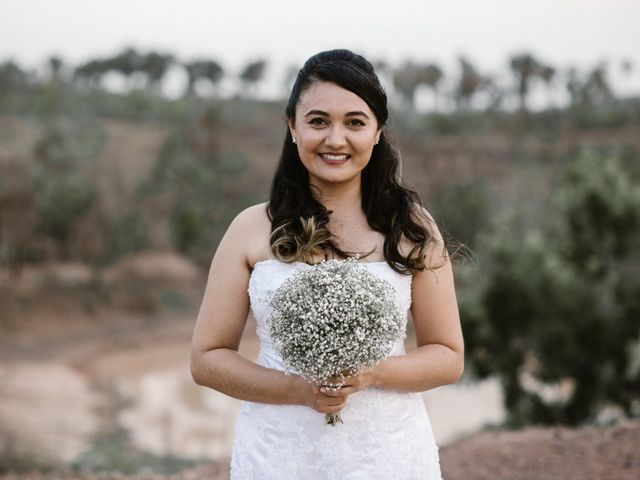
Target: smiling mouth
x=335 y=158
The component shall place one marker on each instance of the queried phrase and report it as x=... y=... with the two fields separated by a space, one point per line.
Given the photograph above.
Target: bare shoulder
x=250 y=231
x=254 y=216
x=435 y=253
x=424 y=217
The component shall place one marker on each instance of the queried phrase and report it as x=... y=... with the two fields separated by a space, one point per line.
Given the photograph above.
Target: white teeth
x=334 y=157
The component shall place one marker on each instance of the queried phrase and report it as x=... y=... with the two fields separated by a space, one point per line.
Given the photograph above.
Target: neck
x=342 y=199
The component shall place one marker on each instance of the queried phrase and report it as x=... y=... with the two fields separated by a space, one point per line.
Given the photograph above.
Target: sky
x=561 y=32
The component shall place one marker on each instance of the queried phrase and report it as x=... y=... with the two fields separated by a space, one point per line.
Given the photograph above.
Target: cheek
x=364 y=145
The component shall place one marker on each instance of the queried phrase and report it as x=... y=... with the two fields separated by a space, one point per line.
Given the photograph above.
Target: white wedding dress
x=385 y=434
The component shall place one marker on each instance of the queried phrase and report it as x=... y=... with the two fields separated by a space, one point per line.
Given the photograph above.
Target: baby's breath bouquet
x=334 y=319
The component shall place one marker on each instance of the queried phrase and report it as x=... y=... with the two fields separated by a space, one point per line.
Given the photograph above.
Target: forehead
x=331 y=98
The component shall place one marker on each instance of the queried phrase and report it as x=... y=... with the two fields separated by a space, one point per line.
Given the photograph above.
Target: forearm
x=227 y=371
x=427 y=367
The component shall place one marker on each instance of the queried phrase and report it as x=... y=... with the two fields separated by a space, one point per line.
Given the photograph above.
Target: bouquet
x=334 y=319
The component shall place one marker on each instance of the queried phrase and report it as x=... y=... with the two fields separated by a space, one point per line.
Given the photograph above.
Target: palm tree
x=253 y=73
x=405 y=81
x=432 y=76
x=469 y=83
x=627 y=68
x=410 y=76
x=289 y=77
x=525 y=67
x=55 y=66
x=128 y=63
x=590 y=90
x=574 y=86
x=547 y=74
x=202 y=69
x=596 y=90
x=91 y=72
x=155 y=66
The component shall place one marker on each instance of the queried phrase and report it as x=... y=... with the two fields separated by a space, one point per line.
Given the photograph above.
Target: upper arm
x=225 y=304
x=434 y=306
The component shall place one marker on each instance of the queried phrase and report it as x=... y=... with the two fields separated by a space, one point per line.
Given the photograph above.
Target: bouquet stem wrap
x=334 y=319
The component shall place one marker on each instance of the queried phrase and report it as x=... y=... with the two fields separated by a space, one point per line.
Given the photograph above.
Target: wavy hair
x=299 y=221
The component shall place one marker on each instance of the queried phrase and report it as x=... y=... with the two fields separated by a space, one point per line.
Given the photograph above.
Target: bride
x=335 y=194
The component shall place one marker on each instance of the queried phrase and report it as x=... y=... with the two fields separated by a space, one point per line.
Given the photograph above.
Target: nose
x=335 y=137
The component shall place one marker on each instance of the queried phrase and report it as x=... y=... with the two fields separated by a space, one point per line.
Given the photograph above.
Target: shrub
x=555 y=312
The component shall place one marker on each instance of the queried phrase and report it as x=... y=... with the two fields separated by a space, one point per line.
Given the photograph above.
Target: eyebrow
x=357 y=113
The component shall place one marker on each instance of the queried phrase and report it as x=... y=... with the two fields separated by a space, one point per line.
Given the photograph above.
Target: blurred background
x=132 y=133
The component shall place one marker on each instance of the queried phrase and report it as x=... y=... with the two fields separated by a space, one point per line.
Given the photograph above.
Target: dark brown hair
x=299 y=221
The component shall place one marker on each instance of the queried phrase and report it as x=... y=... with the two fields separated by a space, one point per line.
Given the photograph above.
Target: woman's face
x=335 y=132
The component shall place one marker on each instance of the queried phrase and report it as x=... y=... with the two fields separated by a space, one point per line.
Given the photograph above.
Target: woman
x=335 y=194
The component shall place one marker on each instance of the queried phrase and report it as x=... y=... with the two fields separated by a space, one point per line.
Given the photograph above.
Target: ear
x=292 y=128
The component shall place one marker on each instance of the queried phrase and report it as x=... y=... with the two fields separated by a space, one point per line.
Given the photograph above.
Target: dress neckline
x=268 y=260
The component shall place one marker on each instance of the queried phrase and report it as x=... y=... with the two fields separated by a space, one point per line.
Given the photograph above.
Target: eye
x=355 y=122
x=317 y=122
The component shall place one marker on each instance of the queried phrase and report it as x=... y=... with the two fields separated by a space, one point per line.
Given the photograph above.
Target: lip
x=334 y=158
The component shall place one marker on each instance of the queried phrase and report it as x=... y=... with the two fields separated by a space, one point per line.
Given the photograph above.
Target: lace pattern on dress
x=385 y=434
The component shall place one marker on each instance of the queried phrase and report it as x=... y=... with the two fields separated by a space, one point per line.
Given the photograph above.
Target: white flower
x=332 y=318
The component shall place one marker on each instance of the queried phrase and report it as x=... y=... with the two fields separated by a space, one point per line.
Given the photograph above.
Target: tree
x=469 y=83
x=209 y=70
x=596 y=90
x=16 y=215
x=556 y=315
x=547 y=74
x=128 y=63
x=289 y=78
x=405 y=82
x=431 y=77
x=410 y=76
x=91 y=72
x=12 y=76
x=55 y=67
x=60 y=201
x=62 y=193
x=155 y=66
x=526 y=68
x=573 y=86
x=590 y=90
x=253 y=73
x=464 y=211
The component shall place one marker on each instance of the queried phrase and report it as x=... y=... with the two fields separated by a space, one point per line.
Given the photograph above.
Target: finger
x=332 y=391
x=334 y=408
x=351 y=380
x=346 y=391
x=325 y=400
x=351 y=383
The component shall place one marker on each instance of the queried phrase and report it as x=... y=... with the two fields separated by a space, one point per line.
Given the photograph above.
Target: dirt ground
x=609 y=453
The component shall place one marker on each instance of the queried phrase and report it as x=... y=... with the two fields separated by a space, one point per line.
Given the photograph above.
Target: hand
x=327 y=399
x=324 y=399
x=354 y=383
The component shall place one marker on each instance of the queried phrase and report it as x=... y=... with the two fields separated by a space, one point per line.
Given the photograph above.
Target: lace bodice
x=385 y=434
